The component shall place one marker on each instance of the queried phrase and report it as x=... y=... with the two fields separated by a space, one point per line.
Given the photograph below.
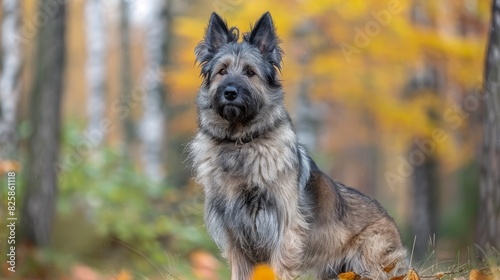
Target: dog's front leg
x=241 y=267
x=287 y=260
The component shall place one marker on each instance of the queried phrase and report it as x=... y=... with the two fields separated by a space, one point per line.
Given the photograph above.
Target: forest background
x=97 y=106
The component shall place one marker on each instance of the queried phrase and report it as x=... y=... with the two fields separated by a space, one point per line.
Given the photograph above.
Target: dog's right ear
x=216 y=35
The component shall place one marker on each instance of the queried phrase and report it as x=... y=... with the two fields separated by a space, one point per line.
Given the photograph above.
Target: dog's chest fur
x=245 y=185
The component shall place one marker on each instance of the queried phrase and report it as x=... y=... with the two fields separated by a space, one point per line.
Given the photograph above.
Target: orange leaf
x=401 y=277
x=263 y=272
x=439 y=275
x=348 y=276
x=84 y=272
x=477 y=275
x=412 y=275
x=389 y=267
x=9 y=165
x=123 y=275
x=204 y=265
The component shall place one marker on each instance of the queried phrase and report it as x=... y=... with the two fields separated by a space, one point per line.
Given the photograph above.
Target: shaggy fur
x=266 y=201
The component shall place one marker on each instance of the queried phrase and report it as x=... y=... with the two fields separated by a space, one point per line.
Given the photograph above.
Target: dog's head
x=240 y=79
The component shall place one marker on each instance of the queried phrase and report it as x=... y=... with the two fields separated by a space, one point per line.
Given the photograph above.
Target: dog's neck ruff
x=241 y=141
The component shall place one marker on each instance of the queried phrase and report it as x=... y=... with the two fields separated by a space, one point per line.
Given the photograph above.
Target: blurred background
x=97 y=106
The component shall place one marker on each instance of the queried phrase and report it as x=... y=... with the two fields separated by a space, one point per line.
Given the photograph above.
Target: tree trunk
x=422 y=155
x=488 y=230
x=41 y=172
x=424 y=194
x=307 y=118
x=154 y=118
x=126 y=77
x=96 y=66
x=9 y=78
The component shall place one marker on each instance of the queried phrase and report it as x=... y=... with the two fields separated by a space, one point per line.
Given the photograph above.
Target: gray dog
x=266 y=201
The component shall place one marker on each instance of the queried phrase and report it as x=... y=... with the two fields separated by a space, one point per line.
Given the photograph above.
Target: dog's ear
x=263 y=36
x=216 y=35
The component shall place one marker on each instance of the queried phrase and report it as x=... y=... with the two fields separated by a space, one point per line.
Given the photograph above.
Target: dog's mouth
x=231 y=112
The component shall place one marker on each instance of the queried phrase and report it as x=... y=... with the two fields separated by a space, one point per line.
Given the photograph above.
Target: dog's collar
x=244 y=140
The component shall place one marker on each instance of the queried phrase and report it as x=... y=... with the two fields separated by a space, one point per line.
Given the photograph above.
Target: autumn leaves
x=363 y=37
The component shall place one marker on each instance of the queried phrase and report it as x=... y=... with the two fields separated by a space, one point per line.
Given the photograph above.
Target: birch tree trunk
x=9 y=77
x=307 y=118
x=43 y=145
x=96 y=66
x=488 y=230
x=152 y=130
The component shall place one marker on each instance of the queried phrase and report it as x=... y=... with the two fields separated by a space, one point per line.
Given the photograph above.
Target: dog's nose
x=230 y=93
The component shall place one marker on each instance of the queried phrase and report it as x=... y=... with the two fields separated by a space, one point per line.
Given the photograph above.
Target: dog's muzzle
x=230 y=103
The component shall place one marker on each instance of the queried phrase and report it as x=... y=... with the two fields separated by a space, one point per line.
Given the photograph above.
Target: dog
x=266 y=201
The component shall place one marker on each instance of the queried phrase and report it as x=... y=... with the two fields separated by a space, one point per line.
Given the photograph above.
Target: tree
x=43 y=145
x=9 y=78
x=126 y=75
x=96 y=66
x=488 y=230
x=307 y=120
x=152 y=130
x=425 y=177
x=424 y=181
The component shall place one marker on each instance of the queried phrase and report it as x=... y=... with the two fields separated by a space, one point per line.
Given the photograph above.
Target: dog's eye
x=223 y=71
x=250 y=72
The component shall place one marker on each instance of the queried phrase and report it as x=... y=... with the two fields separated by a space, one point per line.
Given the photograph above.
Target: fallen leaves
x=204 y=265
x=83 y=272
x=263 y=272
x=488 y=274
x=8 y=166
x=123 y=275
x=389 y=267
x=349 y=276
x=411 y=275
x=474 y=274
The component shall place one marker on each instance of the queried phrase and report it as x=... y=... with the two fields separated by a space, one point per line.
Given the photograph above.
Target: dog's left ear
x=263 y=36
